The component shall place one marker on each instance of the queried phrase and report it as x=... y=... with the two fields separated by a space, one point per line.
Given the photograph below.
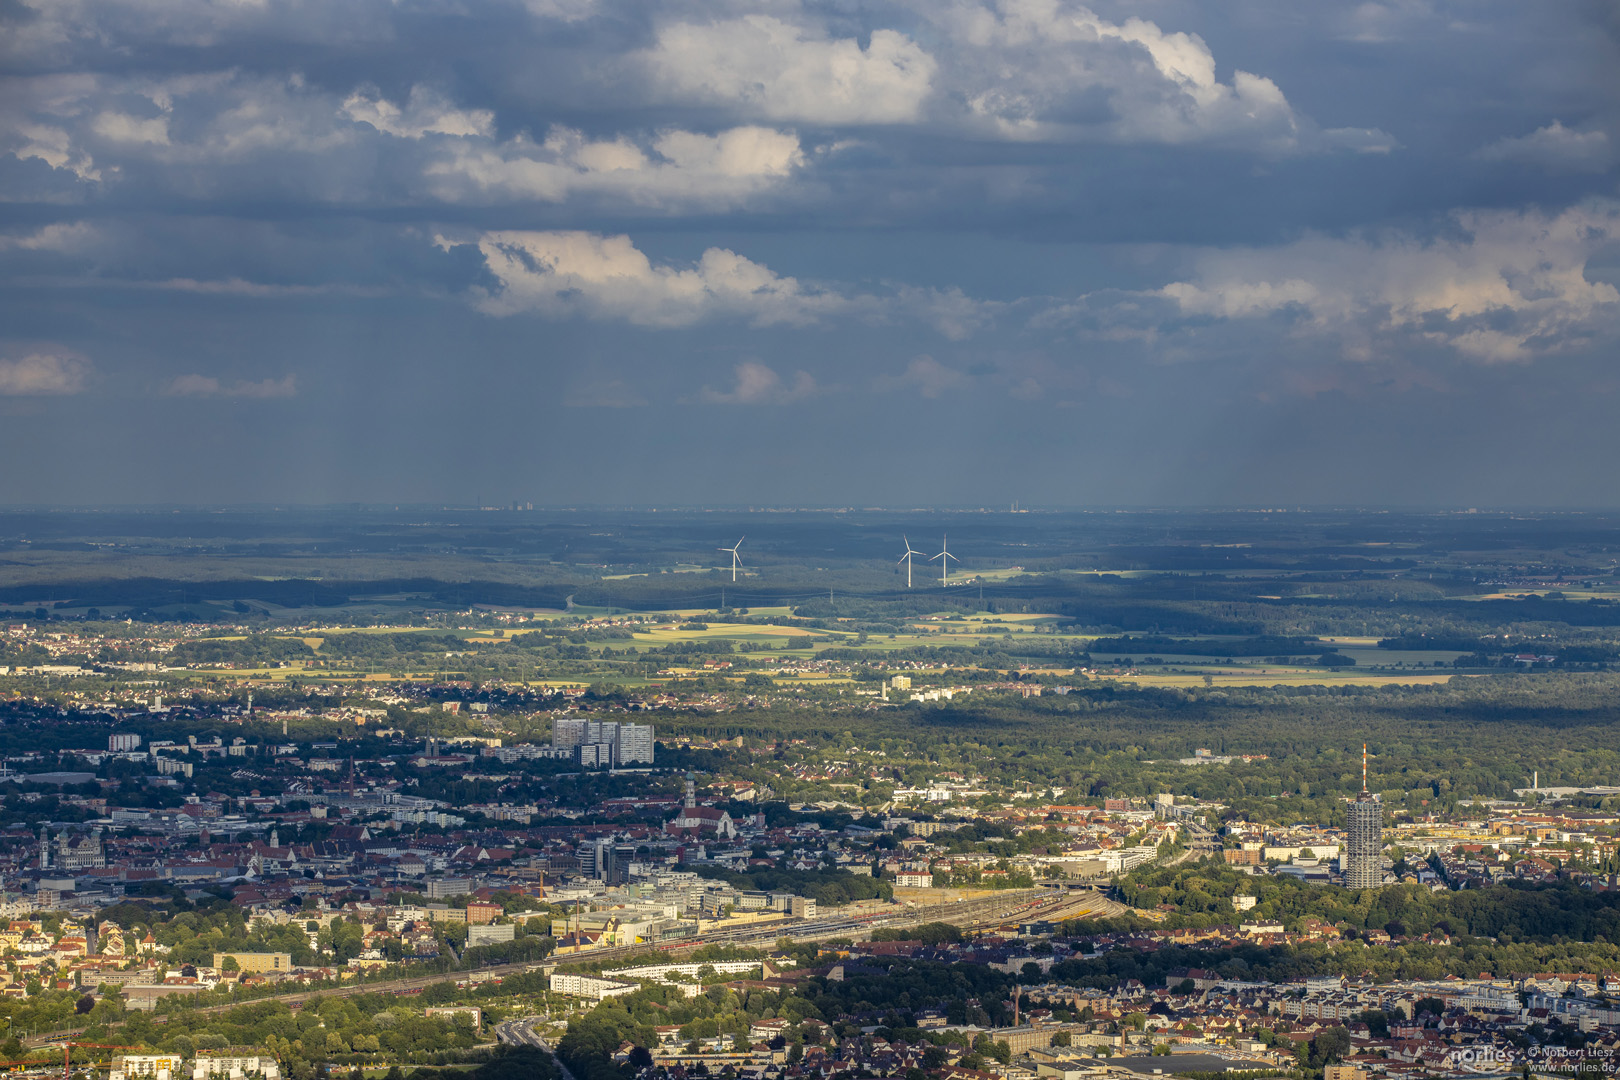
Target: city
x=700 y=871
x=459 y=611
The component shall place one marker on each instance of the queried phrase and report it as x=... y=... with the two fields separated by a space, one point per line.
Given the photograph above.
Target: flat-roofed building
x=590 y=987
x=232 y=1067
x=255 y=961
x=154 y=1066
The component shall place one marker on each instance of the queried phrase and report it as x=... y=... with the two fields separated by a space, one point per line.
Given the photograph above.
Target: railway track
x=968 y=914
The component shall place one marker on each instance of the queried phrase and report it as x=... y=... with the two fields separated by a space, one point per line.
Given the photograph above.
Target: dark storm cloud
x=1063 y=227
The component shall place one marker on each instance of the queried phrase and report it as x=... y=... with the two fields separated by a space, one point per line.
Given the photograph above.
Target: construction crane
x=67 y=1054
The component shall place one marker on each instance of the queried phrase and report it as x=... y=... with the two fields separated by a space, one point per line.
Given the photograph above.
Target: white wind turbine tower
x=736 y=560
x=906 y=558
x=945 y=558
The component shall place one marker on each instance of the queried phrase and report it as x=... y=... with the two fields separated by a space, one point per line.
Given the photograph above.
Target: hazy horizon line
x=755 y=508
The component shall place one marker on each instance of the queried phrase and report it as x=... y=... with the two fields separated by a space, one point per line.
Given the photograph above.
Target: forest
x=1509 y=913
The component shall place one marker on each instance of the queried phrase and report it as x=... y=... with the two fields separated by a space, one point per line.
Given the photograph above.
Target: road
x=1202 y=846
x=522 y=1033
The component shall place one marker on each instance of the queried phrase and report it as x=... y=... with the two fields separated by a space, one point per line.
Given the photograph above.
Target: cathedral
x=701 y=819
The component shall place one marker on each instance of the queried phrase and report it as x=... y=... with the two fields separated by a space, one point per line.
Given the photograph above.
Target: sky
x=912 y=253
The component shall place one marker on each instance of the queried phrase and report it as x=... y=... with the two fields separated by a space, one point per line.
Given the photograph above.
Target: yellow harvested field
x=989 y=620
x=667 y=635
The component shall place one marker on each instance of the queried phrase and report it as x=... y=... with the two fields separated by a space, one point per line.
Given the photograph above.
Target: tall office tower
x=1364 y=836
x=635 y=744
x=599 y=859
x=567 y=731
x=604 y=742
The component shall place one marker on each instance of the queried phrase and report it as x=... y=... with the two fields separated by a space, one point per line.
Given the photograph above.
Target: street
x=522 y=1033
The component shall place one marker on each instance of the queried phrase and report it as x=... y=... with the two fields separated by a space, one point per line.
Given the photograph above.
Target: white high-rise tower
x=1364 y=837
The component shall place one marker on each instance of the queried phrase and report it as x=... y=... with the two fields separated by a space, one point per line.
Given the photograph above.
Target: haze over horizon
x=592 y=253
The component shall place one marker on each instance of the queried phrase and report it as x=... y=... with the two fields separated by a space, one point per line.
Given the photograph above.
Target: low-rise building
x=590 y=987
x=213 y=1066
x=255 y=962
x=491 y=933
x=450 y=1012
x=153 y=1066
x=479 y=913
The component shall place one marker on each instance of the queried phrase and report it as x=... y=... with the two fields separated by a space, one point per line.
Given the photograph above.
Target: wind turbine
x=945 y=558
x=736 y=560
x=906 y=558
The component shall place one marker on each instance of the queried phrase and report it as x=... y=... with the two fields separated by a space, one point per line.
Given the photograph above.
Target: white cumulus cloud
x=425 y=112
x=565 y=274
x=189 y=125
x=196 y=133
x=560 y=274
x=677 y=167
x=758 y=384
x=951 y=311
x=1555 y=148
x=43 y=373
x=1045 y=70
x=122 y=127
x=60 y=237
x=781 y=71
x=1027 y=70
x=53 y=145
x=1512 y=286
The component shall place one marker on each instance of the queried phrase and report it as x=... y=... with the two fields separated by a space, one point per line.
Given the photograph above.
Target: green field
x=1373 y=666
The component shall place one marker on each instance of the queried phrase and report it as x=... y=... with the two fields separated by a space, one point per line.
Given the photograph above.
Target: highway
x=522 y=1033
